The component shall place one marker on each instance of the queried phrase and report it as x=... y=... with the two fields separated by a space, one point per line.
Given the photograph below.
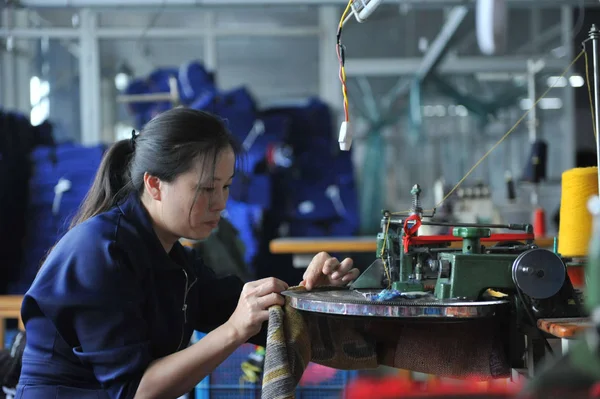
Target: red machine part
x=438 y=239
x=393 y=388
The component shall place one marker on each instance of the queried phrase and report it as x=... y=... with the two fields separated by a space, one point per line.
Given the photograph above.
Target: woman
x=114 y=305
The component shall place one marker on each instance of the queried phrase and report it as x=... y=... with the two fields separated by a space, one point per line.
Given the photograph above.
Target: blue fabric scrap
x=390 y=294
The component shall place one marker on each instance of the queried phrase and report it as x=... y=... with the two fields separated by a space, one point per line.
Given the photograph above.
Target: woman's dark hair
x=168 y=146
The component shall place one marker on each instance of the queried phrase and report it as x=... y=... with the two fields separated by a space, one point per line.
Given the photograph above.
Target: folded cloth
x=471 y=349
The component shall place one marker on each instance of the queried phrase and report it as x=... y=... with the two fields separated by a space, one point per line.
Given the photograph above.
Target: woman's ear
x=152 y=185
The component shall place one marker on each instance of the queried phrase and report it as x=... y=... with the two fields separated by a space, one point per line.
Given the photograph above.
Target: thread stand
x=594 y=35
x=578 y=369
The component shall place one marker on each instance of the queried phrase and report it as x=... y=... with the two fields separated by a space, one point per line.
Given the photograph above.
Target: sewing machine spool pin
x=416 y=208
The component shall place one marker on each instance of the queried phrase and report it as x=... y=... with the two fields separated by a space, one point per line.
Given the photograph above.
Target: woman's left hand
x=326 y=270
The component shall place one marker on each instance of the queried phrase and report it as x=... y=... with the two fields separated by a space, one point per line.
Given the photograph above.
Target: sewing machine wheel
x=539 y=273
x=347 y=302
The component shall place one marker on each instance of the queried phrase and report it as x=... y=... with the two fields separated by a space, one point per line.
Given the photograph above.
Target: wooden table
x=313 y=245
x=566 y=329
x=10 y=308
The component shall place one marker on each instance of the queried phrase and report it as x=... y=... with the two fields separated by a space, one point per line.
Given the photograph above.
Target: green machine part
x=404 y=280
x=463 y=274
x=460 y=274
x=407 y=281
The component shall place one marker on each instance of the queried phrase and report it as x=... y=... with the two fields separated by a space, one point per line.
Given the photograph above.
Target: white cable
x=333 y=193
x=61 y=187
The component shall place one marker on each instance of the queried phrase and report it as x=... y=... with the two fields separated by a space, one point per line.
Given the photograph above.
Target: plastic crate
x=248 y=391
x=229 y=372
x=225 y=383
x=227 y=392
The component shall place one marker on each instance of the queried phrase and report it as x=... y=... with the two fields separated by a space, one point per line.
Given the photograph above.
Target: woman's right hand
x=253 y=306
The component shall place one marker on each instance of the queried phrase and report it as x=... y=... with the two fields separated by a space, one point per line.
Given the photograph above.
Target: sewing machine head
x=471 y=263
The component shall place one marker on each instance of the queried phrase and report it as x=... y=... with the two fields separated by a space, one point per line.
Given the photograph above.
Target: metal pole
x=569 y=134
x=594 y=36
x=90 y=88
x=532 y=70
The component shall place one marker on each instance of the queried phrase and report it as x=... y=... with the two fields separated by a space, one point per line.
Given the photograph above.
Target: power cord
x=532 y=319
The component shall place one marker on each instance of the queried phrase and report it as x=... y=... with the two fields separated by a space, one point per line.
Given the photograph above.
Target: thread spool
x=575 y=231
x=539 y=222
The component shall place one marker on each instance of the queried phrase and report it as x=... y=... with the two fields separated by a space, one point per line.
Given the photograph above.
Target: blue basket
x=205 y=390
x=224 y=382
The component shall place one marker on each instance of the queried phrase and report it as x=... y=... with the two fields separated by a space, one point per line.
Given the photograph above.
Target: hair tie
x=133 y=138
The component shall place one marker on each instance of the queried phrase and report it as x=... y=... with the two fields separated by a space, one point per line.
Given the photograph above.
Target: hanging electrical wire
x=340 y=50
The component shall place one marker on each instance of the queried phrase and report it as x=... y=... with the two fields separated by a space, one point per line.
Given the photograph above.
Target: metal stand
x=594 y=36
x=533 y=68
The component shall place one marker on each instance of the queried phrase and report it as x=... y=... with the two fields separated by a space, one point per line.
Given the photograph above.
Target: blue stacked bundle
x=193 y=84
x=250 y=194
x=314 y=195
x=291 y=173
x=56 y=192
x=311 y=128
x=320 y=188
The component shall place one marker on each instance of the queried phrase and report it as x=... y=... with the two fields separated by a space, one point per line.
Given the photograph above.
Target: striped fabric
x=295 y=338
x=284 y=363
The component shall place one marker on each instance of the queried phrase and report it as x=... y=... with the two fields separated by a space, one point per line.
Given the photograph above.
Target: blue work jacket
x=108 y=301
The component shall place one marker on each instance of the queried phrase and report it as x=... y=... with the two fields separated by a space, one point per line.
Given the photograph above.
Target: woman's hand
x=327 y=270
x=253 y=306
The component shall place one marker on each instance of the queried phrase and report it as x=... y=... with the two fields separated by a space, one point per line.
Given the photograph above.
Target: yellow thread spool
x=575 y=231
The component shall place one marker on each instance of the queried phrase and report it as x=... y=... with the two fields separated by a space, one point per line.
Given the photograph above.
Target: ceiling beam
x=258 y=30
x=433 y=56
x=439 y=47
x=394 y=67
x=221 y=3
x=542 y=39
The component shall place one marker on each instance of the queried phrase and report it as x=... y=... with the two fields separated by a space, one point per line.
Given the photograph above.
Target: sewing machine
x=431 y=277
x=469 y=275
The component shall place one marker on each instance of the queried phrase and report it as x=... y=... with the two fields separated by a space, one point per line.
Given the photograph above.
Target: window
x=39 y=90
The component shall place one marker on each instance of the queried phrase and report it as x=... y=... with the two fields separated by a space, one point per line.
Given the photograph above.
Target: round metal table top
x=347 y=302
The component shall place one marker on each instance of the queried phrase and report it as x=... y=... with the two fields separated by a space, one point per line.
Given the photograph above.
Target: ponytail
x=111 y=184
x=169 y=145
